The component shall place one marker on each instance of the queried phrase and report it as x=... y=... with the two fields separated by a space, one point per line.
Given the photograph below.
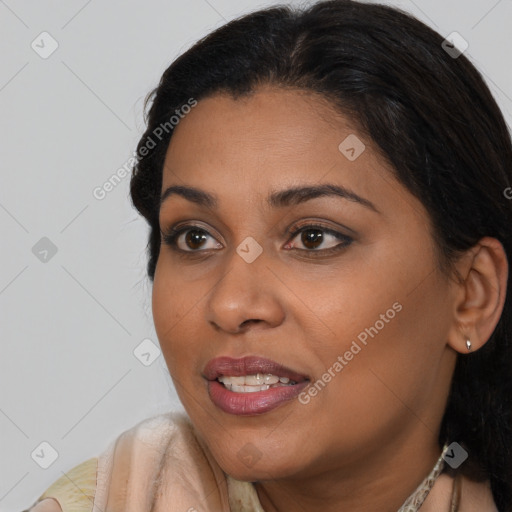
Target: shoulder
x=141 y=446
x=162 y=461
x=477 y=496
x=474 y=496
x=150 y=430
x=74 y=490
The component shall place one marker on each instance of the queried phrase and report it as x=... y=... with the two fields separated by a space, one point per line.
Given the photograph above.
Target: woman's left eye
x=314 y=237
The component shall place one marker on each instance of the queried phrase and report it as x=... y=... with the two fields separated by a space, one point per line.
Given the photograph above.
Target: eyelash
x=170 y=238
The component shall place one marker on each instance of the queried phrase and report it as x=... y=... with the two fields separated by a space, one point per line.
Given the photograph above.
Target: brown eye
x=194 y=238
x=189 y=239
x=312 y=238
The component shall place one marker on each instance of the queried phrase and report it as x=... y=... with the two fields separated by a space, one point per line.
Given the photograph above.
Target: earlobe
x=480 y=295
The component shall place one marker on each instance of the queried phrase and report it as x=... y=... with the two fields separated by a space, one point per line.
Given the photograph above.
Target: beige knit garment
x=156 y=466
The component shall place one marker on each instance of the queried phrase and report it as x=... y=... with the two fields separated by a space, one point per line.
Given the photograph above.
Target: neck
x=381 y=482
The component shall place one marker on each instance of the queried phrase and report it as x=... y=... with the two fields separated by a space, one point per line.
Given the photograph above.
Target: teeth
x=250 y=380
x=260 y=379
x=234 y=381
x=253 y=383
x=248 y=389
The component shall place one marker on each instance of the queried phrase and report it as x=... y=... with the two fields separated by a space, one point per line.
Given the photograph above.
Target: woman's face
x=353 y=303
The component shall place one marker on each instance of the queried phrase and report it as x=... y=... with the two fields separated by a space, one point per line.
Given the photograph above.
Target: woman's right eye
x=188 y=236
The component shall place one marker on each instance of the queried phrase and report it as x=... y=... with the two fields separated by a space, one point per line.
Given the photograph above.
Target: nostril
x=248 y=322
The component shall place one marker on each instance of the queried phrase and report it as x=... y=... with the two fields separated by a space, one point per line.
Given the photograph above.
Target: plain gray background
x=72 y=319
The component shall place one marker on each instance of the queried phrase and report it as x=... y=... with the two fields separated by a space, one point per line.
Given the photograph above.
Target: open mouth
x=254 y=383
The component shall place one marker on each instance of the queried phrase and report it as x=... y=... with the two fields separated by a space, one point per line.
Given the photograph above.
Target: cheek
x=393 y=352
x=355 y=304
x=173 y=308
x=164 y=304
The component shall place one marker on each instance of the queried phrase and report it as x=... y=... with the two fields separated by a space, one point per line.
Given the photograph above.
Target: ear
x=480 y=295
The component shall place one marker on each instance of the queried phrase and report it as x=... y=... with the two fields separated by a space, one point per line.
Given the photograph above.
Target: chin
x=250 y=466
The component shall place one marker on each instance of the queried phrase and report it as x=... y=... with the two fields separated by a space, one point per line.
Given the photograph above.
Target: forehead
x=272 y=132
x=278 y=118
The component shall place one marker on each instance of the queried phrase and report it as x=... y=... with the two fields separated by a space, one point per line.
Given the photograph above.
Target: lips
x=250 y=365
x=257 y=402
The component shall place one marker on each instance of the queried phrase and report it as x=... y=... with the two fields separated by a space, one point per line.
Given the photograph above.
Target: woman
x=326 y=191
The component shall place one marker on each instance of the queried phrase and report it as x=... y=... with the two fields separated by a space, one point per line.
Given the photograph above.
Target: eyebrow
x=277 y=199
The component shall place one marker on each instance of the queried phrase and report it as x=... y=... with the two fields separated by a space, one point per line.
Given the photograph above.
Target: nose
x=247 y=295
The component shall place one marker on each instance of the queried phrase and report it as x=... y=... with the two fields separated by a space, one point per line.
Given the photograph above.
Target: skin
x=370 y=436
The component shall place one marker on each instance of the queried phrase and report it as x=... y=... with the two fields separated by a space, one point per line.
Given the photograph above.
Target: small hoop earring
x=468 y=344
